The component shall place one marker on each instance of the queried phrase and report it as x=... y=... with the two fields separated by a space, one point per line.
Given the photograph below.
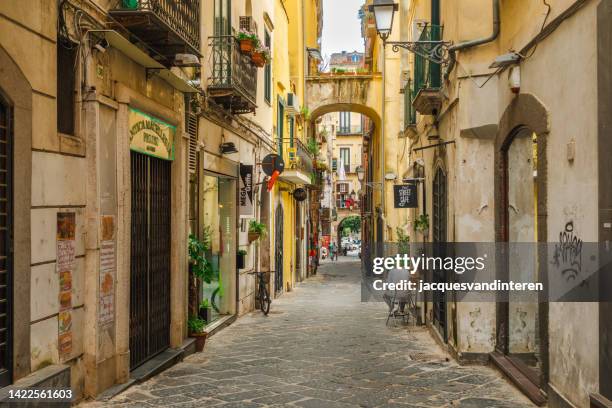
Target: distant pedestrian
x=333 y=251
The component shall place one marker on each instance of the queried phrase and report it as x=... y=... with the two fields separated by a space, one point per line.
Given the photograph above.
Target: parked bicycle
x=262 y=294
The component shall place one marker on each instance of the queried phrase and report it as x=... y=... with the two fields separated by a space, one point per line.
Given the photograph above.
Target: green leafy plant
x=247 y=35
x=313 y=146
x=201 y=268
x=403 y=241
x=196 y=325
x=205 y=304
x=257 y=228
x=313 y=177
x=421 y=223
x=242 y=252
x=305 y=112
x=320 y=165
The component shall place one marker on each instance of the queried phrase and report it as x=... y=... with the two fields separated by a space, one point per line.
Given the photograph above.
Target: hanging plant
x=421 y=223
x=248 y=40
x=260 y=56
x=313 y=146
x=256 y=230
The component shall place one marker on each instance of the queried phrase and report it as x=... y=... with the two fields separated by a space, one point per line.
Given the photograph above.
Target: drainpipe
x=473 y=43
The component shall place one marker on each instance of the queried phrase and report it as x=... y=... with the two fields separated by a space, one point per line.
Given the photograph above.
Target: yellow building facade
x=297 y=28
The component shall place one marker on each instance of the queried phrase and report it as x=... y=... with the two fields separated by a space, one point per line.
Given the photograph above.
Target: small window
x=268 y=70
x=345 y=122
x=66 y=78
x=345 y=157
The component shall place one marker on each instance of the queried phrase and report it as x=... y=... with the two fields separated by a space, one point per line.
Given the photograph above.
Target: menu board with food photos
x=106 y=308
x=66 y=254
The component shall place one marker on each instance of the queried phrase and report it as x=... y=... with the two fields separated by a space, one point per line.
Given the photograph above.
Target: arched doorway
x=365 y=195
x=520 y=206
x=6 y=256
x=347 y=233
x=521 y=224
x=279 y=219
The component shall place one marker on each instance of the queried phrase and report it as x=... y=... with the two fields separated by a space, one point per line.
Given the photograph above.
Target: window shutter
x=192 y=130
x=247 y=23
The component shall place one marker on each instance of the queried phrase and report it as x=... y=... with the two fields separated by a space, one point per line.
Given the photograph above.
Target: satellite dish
x=272 y=163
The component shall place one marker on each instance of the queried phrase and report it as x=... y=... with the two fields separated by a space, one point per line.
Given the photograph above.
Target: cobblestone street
x=321 y=347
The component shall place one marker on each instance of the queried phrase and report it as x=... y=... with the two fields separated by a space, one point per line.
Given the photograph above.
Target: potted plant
x=205 y=310
x=403 y=241
x=198 y=264
x=261 y=56
x=240 y=258
x=421 y=224
x=196 y=330
x=248 y=41
x=256 y=230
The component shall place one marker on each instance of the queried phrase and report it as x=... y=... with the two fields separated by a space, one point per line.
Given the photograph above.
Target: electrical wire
x=541 y=30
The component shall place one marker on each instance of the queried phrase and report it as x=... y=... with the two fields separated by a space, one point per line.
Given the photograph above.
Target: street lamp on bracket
x=384 y=10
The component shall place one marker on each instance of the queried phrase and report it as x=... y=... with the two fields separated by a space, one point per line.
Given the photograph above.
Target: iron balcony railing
x=350 y=129
x=427 y=74
x=181 y=16
x=233 y=77
x=296 y=155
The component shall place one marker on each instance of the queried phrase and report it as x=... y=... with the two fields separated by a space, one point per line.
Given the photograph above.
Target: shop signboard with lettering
x=150 y=135
x=405 y=196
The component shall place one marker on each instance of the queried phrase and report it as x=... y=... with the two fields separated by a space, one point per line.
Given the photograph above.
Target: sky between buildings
x=341 y=26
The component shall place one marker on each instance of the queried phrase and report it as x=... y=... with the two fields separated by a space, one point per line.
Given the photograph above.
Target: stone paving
x=321 y=347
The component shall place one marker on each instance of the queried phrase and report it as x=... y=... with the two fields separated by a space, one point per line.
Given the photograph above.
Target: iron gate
x=6 y=237
x=278 y=249
x=150 y=258
x=439 y=244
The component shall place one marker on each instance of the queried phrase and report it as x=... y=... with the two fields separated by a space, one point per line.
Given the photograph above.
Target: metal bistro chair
x=401 y=303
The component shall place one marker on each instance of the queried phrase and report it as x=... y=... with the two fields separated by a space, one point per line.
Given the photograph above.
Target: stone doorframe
x=525 y=111
x=15 y=88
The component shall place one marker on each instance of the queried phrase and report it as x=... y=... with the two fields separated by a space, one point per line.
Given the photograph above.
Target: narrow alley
x=321 y=347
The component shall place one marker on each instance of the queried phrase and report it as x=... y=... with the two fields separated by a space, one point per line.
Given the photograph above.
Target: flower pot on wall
x=246 y=46
x=257 y=58
x=253 y=236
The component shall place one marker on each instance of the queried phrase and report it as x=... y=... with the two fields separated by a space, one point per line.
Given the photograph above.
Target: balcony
x=426 y=95
x=168 y=27
x=233 y=80
x=409 y=111
x=299 y=162
x=350 y=130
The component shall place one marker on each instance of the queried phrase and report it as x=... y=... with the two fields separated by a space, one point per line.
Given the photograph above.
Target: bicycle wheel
x=264 y=300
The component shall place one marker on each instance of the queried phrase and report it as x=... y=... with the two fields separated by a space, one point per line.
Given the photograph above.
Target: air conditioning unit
x=293 y=106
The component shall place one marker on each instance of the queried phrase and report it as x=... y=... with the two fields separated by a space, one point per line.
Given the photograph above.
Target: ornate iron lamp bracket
x=434 y=51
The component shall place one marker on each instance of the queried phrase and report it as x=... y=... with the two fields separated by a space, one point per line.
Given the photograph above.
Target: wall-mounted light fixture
x=228 y=148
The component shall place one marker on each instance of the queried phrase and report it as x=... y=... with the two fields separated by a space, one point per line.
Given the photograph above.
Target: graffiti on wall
x=567 y=255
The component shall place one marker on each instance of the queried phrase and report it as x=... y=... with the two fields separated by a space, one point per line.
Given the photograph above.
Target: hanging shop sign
x=150 y=135
x=246 y=191
x=273 y=165
x=299 y=194
x=405 y=196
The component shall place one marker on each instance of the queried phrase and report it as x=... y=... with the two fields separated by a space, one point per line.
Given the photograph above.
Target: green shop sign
x=151 y=136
